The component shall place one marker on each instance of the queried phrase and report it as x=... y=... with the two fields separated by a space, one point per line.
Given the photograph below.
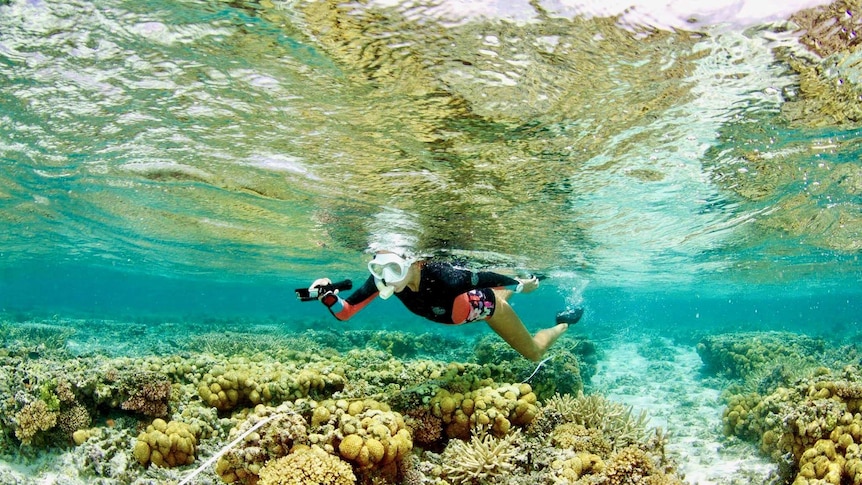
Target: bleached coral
x=615 y=421
x=483 y=457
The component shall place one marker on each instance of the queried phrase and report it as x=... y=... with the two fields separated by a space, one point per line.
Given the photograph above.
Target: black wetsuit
x=446 y=294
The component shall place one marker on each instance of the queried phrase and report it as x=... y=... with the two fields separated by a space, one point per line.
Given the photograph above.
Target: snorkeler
x=446 y=294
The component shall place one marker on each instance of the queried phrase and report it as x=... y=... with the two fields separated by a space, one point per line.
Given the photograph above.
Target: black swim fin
x=570 y=316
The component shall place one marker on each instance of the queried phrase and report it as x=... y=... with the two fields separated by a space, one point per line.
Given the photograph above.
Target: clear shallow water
x=205 y=158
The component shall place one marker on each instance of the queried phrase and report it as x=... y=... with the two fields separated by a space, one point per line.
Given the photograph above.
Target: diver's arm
x=344 y=308
x=487 y=279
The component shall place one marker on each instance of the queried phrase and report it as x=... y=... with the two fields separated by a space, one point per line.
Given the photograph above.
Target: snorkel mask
x=388 y=269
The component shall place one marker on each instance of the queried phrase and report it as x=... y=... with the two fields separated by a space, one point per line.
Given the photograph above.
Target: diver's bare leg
x=508 y=326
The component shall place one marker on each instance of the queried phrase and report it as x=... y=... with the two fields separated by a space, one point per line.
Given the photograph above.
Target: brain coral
x=307 y=465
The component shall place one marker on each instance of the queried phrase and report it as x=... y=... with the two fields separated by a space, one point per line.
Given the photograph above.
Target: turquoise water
x=203 y=158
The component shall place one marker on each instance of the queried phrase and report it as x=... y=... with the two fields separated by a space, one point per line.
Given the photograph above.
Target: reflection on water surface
x=207 y=135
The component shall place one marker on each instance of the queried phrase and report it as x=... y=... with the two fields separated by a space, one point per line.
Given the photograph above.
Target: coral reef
x=243 y=463
x=482 y=458
x=496 y=407
x=612 y=420
x=816 y=424
x=741 y=355
x=338 y=417
x=166 y=444
x=33 y=418
x=572 y=363
x=307 y=465
x=241 y=381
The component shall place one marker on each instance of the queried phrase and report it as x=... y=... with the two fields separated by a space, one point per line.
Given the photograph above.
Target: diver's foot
x=570 y=316
x=546 y=337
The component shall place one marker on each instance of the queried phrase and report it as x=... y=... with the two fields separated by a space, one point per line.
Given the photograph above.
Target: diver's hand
x=328 y=298
x=528 y=284
x=318 y=283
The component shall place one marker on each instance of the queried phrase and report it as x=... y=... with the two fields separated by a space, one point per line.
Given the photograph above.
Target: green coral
x=742 y=355
x=46 y=394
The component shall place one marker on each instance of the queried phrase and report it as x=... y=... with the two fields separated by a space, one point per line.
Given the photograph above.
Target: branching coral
x=73 y=419
x=483 y=457
x=427 y=429
x=615 y=421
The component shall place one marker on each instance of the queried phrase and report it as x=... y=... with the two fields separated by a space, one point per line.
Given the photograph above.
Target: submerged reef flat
x=362 y=407
x=308 y=407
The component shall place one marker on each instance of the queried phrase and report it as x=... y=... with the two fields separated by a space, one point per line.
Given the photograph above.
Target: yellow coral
x=286 y=430
x=373 y=438
x=307 y=465
x=496 y=407
x=573 y=468
x=241 y=381
x=33 y=418
x=166 y=444
x=576 y=437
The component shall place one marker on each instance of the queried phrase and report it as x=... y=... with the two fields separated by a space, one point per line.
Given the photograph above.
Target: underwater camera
x=304 y=294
